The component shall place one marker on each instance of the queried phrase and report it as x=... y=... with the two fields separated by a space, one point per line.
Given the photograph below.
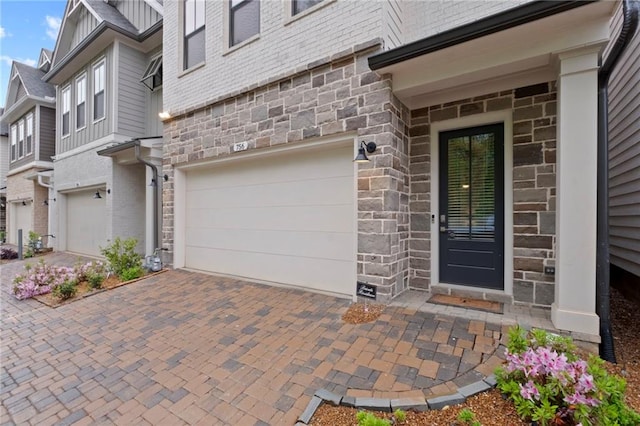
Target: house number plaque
x=240 y=146
x=366 y=290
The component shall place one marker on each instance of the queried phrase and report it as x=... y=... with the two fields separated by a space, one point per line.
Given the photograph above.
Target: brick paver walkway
x=189 y=348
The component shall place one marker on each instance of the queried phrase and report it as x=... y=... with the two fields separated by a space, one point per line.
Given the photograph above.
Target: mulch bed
x=360 y=313
x=83 y=290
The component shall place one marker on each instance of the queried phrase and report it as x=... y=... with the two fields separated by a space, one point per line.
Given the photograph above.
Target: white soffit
x=525 y=54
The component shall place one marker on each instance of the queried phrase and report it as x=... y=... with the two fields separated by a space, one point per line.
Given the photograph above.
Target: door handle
x=444 y=229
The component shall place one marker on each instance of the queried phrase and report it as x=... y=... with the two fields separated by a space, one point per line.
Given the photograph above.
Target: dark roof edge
x=507 y=19
x=101 y=28
x=107 y=152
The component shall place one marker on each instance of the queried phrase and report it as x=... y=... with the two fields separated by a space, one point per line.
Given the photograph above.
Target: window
x=29 y=141
x=194 y=51
x=81 y=101
x=98 y=91
x=14 y=143
x=298 y=6
x=21 y=139
x=152 y=77
x=66 y=106
x=244 y=20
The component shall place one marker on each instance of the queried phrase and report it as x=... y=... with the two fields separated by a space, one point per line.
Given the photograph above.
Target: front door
x=471 y=217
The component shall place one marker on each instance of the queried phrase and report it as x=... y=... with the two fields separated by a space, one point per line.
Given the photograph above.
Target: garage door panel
x=298 y=218
x=316 y=165
x=288 y=219
x=22 y=220
x=307 y=272
x=86 y=223
x=319 y=192
x=325 y=245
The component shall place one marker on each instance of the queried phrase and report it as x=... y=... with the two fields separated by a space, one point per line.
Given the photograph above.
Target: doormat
x=468 y=303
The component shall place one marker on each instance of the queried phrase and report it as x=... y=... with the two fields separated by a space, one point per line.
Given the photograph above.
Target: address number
x=240 y=146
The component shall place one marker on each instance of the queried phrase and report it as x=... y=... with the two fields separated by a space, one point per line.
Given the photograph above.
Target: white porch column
x=574 y=308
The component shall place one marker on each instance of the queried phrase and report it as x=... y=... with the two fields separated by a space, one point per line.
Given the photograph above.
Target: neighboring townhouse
x=4 y=168
x=482 y=180
x=624 y=165
x=30 y=116
x=107 y=68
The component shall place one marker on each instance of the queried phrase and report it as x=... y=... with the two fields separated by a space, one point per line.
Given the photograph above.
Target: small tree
x=121 y=255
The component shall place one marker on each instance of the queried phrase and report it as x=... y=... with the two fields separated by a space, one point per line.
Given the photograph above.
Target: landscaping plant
x=66 y=290
x=132 y=273
x=121 y=256
x=7 y=253
x=468 y=417
x=41 y=279
x=551 y=385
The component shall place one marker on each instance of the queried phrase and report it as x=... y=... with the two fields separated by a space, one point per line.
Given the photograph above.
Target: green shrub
x=132 y=273
x=121 y=256
x=66 y=290
x=95 y=279
x=369 y=419
x=467 y=416
x=400 y=415
x=550 y=384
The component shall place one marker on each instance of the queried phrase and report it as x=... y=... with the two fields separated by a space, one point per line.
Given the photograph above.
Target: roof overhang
x=99 y=39
x=515 y=48
x=124 y=153
x=23 y=105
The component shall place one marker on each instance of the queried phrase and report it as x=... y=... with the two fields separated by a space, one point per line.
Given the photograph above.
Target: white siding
x=131 y=93
x=93 y=130
x=393 y=23
x=4 y=160
x=139 y=13
x=86 y=23
x=624 y=157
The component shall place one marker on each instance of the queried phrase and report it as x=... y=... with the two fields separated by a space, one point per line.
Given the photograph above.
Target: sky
x=26 y=26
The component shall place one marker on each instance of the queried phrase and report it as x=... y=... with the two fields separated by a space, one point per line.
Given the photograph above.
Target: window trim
x=28 y=144
x=14 y=143
x=233 y=9
x=65 y=90
x=21 y=138
x=82 y=76
x=100 y=63
x=290 y=17
x=196 y=31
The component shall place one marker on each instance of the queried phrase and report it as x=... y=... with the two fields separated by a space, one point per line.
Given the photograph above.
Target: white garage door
x=287 y=219
x=21 y=218
x=86 y=223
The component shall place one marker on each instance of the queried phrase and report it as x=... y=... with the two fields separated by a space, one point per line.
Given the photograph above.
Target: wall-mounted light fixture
x=24 y=203
x=164 y=115
x=166 y=177
x=97 y=195
x=362 y=152
x=46 y=202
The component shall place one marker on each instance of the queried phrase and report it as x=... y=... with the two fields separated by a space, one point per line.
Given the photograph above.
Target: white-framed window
x=20 y=138
x=14 y=143
x=81 y=102
x=299 y=6
x=244 y=20
x=98 y=91
x=66 y=110
x=29 y=140
x=194 y=40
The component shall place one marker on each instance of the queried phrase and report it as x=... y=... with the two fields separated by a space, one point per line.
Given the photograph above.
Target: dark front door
x=471 y=217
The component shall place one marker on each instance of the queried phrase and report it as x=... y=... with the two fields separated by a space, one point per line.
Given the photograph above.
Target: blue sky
x=26 y=26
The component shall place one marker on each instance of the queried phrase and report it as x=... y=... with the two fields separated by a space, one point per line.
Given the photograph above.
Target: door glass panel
x=471 y=188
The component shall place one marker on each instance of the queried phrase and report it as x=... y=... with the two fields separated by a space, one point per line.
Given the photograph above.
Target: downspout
x=155 y=193
x=603 y=293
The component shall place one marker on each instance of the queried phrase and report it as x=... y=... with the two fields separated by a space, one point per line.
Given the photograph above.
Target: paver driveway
x=189 y=348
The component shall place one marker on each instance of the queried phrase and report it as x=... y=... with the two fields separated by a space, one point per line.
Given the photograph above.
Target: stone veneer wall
x=330 y=97
x=534 y=185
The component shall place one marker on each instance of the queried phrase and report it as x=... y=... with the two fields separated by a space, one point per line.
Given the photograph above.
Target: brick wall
x=534 y=181
x=338 y=96
x=19 y=188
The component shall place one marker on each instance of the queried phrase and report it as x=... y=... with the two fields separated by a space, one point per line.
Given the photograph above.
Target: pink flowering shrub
x=43 y=278
x=548 y=383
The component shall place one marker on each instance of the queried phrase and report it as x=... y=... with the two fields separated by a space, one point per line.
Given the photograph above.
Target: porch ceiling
x=518 y=56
